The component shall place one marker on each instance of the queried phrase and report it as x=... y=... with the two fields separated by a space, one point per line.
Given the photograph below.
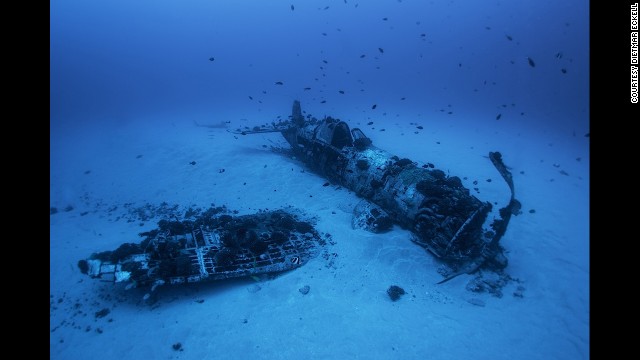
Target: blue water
x=490 y=75
x=114 y=58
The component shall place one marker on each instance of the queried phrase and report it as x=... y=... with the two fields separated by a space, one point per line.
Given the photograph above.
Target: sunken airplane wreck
x=439 y=211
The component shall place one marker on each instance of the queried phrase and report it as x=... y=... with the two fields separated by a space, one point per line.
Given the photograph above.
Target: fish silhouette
x=531 y=63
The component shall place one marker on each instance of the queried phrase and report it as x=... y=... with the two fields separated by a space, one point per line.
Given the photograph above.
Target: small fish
x=370 y=123
x=192 y=163
x=509 y=38
x=374 y=106
x=402 y=98
x=325 y=61
x=307 y=88
x=211 y=58
x=423 y=35
x=381 y=50
x=292 y=8
x=323 y=101
x=250 y=97
x=341 y=92
x=362 y=56
x=564 y=71
x=531 y=63
x=385 y=19
x=498 y=117
x=559 y=55
x=295 y=260
x=279 y=83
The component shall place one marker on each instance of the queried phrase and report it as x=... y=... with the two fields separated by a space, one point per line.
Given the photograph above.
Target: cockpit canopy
x=336 y=133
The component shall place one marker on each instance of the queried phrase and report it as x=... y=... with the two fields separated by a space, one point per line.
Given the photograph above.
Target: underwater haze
x=145 y=101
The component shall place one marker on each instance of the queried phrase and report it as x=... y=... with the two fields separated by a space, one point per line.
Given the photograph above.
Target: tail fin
x=296 y=114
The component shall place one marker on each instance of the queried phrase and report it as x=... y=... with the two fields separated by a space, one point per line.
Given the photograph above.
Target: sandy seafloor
x=106 y=172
